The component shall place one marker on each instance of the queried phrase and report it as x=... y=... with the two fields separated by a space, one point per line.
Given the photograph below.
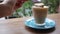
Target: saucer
x=48 y=24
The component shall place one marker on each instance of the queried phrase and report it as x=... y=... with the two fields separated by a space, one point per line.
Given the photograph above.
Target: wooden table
x=16 y=26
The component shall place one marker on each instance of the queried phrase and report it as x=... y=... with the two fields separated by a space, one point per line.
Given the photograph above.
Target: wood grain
x=16 y=26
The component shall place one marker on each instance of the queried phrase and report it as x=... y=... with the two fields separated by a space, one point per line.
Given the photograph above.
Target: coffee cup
x=39 y=13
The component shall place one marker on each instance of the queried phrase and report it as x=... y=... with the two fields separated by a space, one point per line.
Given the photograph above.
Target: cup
x=40 y=13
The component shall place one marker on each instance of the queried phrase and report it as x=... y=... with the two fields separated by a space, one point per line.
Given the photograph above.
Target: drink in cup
x=39 y=12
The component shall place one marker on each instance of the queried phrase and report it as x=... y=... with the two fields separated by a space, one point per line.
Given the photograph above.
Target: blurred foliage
x=53 y=5
x=25 y=10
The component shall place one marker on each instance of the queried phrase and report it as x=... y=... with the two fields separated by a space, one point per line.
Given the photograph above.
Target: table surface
x=16 y=26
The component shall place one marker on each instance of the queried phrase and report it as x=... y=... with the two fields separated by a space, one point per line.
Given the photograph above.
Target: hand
x=7 y=7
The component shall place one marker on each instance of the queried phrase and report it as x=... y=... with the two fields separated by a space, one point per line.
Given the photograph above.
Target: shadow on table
x=40 y=31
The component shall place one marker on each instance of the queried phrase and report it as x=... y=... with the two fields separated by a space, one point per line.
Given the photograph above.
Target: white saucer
x=48 y=24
